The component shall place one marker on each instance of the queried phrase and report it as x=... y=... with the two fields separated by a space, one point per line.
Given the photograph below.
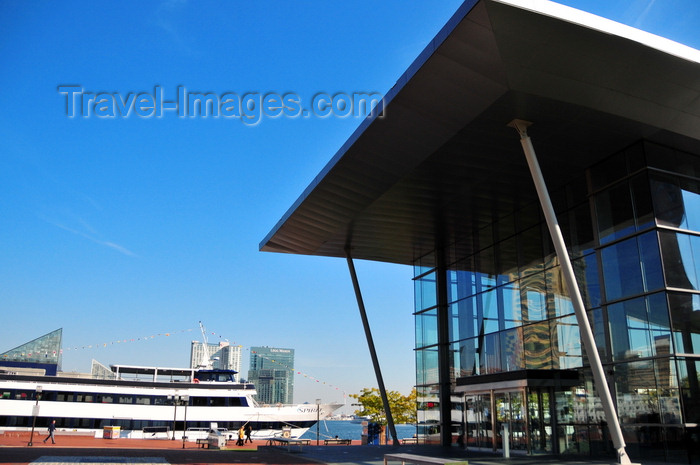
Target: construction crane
x=205 y=362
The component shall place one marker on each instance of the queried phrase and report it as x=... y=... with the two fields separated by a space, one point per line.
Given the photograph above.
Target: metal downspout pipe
x=372 y=350
x=574 y=292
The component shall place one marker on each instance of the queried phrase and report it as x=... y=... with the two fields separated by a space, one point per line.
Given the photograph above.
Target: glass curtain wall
x=632 y=226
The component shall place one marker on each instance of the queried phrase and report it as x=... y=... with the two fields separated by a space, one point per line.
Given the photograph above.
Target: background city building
x=223 y=356
x=441 y=182
x=272 y=372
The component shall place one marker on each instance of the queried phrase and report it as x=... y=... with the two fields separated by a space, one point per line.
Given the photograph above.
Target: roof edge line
x=608 y=26
x=405 y=77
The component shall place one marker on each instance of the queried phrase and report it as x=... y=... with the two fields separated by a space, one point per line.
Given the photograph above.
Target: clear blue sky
x=123 y=228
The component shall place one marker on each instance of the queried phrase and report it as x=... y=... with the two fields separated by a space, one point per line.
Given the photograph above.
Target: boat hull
x=140 y=408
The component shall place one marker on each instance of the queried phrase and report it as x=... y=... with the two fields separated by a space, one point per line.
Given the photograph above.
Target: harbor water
x=350 y=430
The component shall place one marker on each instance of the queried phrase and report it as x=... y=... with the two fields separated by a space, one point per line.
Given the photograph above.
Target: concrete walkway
x=86 y=450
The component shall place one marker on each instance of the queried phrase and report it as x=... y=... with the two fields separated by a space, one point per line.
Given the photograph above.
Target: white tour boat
x=145 y=402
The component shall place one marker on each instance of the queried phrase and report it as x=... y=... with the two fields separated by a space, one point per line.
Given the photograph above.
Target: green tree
x=403 y=408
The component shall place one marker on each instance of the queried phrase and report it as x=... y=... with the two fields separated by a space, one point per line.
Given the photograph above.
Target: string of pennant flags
x=53 y=353
x=102 y=345
x=125 y=341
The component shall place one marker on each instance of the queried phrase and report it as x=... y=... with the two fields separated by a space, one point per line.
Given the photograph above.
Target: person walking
x=248 y=432
x=52 y=430
x=241 y=433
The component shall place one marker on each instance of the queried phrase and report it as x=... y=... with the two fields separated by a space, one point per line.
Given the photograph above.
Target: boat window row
x=99 y=398
x=136 y=425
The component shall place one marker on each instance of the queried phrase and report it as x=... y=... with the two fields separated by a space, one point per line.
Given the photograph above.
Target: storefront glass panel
x=540 y=427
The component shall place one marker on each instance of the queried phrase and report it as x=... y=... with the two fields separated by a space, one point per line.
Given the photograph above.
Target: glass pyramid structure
x=44 y=350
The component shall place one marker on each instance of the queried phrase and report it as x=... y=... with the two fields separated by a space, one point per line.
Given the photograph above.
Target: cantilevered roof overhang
x=441 y=161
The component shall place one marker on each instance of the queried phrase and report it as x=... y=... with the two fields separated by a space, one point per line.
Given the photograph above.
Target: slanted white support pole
x=570 y=279
x=372 y=350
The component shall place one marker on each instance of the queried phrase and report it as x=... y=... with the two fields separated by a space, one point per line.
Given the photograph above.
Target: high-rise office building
x=559 y=299
x=272 y=372
x=222 y=355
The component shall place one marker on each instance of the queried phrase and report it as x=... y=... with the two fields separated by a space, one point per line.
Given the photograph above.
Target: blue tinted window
x=659 y=324
x=426 y=328
x=489 y=303
x=691 y=204
x=631 y=267
x=685 y=316
x=641 y=198
x=426 y=364
x=425 y=292
x=463 y=319
x=640 y=327
x=491 y=354
x=681 y=254
x=512 y=353
x=629 y=329
x=558 y=298
x=533 y=292
x=621 y=270
x=586 y=270
x=689 y=376
x=667 y=199
x=461 y=284
x=512 y=308
x=595 y=318
x=468 y=353
x=676 y=201
x=615 y=213
x=566 y=343
x=652 y=271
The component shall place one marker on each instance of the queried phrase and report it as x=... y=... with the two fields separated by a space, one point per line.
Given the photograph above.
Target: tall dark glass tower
x=272 y=372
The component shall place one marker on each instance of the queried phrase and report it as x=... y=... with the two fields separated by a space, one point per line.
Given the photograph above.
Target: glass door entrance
x=488 y=413
x=478 y=422
x=540 y=419
x=510 y=418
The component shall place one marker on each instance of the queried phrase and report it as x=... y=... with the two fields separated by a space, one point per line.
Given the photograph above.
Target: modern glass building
x=272 y=373
x=512 y=344
x=440 y=180
x=43 y=352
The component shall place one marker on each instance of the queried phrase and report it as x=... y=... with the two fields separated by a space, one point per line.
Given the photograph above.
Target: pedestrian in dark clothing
x=248 y=432
x=52 y=430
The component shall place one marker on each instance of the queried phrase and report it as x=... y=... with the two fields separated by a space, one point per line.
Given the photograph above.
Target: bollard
x=505 y=437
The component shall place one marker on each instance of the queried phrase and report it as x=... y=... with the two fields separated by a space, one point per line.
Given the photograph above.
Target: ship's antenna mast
x=206 y=360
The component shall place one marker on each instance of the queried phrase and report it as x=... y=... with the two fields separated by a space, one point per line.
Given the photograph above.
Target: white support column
x=570 y=279
x=372 y=350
